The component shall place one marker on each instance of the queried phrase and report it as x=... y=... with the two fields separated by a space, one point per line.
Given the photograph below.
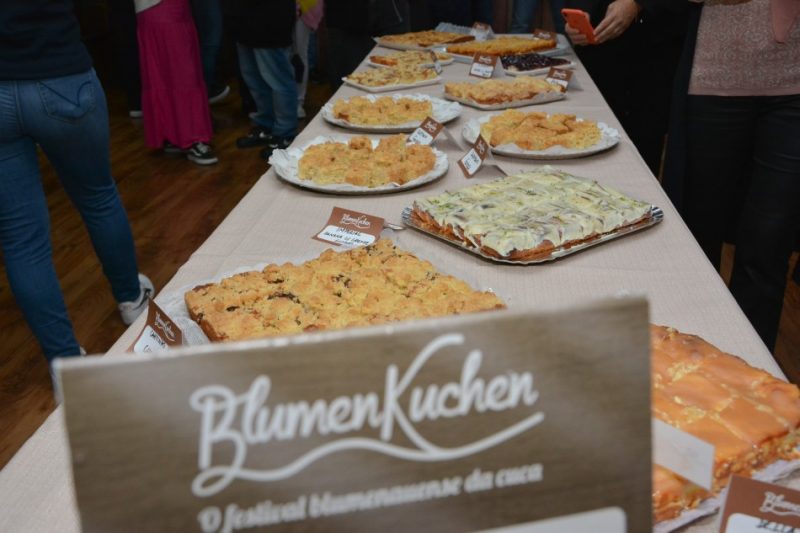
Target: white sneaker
x=301 y=113
x=130 y=311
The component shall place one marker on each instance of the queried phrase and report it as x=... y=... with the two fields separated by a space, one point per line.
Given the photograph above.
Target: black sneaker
x=170 y=148
x=202 y=154
x=275 y=143
x=258 y=136
x=219 y=94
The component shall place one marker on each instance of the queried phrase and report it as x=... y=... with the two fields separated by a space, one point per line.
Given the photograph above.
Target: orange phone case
x=580 y=21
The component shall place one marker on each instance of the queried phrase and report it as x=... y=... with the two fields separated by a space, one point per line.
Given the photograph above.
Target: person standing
x=733 y=158
x=177 y=118
x=50 y=96
x=523 y=11
x=263 y=34
x=307 y=23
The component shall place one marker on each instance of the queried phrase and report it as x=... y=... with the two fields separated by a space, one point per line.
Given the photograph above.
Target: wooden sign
x=539 y=33
x=483 y=66
x=437 y=66
x=456 y=424
x=474 y=158
x=560 y=77
x=757 y=507
x=481 y=31
x=160 y=333
x=350 y=228
x=427 y=132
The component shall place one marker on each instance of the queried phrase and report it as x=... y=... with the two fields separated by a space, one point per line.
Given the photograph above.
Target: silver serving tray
x=657 y=215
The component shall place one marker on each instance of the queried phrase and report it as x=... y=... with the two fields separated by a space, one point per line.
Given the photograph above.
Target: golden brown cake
x=383 y=77
x=528 y=216
x=358 y=163
x=539 y=131
x=749 y=416
x=383 y=111
x=500 y=91
x=502 y=46
x=376 y=284
x=410 y=58
x=424 y=38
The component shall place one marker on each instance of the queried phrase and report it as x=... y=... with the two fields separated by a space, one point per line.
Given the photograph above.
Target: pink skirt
x=174 y=99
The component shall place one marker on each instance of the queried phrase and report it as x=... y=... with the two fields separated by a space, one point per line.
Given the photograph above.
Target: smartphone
x=580 y=21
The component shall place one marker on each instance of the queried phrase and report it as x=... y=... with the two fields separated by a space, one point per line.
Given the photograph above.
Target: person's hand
x=619 y=16
x=577 y=38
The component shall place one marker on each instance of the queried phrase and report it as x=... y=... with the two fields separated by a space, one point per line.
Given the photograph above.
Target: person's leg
x=25 y=235
x=770 y=219
x=522 y=13
x=720 y=139
x=122 y=21
x=555 y=10
x=258 y=87
x=302 y=35
x=207 y=16
x=276 y=70
x=68 y=118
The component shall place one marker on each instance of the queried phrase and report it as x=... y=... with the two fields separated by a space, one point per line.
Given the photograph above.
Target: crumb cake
x=386 y=110
x=393 y=160
x=749 y=416
x=528 y=216
x=502 y=46
x=500 y=91
x=424 y=38
x=376 y=284
x=539 y=131
x=410 y=58
x=400 y=75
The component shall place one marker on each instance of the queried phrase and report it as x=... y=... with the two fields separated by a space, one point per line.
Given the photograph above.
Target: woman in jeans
x=50 y=96
x=733 y=159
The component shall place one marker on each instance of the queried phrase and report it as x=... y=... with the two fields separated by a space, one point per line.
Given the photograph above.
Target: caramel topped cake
x=502 y=46
x=358 y=163
x=749 y=416
x=385 y=110
x=424 y=39
x=410 y=58
x=528 y=216
x=499 y=91
x=383 y=77
x=376 y=284
x=539 y=131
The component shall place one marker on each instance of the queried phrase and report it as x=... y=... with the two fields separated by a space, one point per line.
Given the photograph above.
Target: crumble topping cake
x=750 y=417
x=425 y=38
x=528 y=216
x=400 y=75
x=499 y=91
x=539 y=131
x=358 y=163
x=502 y=46
x=410 y=58
x=376 y=284
x=385 y=110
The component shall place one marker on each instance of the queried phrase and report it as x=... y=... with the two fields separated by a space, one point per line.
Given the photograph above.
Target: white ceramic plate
x=396 y=87
x=609 y=137
x=285 y=163
x=443 y=111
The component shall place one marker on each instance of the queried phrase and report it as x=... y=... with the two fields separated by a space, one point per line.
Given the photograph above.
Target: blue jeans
x=269 y=76
x=523 y=11
x=68 y=119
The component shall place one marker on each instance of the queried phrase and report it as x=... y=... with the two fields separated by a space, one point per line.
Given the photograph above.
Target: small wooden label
x=160 y=332
x=483 y=66
x=560 y=77
x=474 y=158
x=427 y=132
x=756 y=507
x=350 y=228
x=481 y=31
x=539 y=33
x=435 y=60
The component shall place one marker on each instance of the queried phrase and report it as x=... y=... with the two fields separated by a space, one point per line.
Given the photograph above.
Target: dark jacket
x=261 y=23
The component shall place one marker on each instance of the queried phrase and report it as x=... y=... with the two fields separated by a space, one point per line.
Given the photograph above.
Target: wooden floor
x=173 y=206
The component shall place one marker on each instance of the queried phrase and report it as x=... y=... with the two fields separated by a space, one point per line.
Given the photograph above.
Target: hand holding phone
x=579 y=20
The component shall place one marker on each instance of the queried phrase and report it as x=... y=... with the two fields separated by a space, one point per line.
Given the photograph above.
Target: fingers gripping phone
x=580 y=21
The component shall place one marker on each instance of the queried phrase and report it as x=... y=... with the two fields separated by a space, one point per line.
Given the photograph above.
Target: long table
x=275 y=220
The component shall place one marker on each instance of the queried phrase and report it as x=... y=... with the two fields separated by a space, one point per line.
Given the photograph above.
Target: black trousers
x=743 y=172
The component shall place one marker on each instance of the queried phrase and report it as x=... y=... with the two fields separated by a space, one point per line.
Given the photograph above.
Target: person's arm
x=619 y=16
